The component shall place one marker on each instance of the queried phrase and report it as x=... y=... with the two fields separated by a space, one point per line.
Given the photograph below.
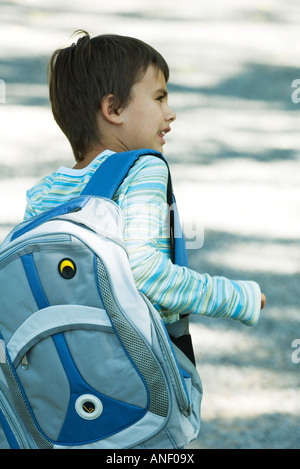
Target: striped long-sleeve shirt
x=172 y=289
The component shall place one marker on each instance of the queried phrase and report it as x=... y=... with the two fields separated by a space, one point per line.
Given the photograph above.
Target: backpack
x=85 y=359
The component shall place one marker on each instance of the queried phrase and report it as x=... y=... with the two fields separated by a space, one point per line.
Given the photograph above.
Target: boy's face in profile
x=147 y=117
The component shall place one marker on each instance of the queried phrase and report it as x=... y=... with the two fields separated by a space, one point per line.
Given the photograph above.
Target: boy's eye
x=162 y=96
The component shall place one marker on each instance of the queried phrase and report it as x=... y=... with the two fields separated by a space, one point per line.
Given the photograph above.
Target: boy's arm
x=169 y=287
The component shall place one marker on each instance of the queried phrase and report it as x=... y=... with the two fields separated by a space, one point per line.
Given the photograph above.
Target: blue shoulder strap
x=109 y=177
x=72 y=205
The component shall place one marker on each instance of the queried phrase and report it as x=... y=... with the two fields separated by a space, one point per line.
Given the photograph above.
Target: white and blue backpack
x=85 y=360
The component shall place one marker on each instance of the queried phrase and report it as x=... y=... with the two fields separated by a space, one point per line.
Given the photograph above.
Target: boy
x=109 y=94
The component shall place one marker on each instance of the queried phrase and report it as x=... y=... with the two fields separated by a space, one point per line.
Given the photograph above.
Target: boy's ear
x=109 y=111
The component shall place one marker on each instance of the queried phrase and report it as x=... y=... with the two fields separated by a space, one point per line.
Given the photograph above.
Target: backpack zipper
x=33 y=242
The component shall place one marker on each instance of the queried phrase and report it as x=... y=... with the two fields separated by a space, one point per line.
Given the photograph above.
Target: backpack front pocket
x=66 y=377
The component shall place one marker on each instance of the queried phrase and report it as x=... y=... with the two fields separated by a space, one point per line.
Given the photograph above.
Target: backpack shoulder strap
x=110 y=175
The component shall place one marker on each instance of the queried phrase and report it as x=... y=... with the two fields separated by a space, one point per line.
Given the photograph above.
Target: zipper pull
x=24 y=363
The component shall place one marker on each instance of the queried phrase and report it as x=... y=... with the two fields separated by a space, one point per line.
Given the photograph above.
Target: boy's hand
x=263 y=301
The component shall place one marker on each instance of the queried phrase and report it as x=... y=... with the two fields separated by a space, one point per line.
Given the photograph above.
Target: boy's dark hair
x=82 y=74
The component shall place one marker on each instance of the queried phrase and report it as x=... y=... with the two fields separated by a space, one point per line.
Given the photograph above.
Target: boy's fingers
x=263 y=301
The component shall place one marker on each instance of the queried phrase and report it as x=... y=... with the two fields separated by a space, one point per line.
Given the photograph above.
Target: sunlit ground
x=234 y=156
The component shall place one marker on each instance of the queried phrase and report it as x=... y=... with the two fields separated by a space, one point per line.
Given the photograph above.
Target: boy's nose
x=172 y=115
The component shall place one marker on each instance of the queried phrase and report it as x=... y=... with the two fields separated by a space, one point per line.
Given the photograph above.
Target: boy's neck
x=89 y=157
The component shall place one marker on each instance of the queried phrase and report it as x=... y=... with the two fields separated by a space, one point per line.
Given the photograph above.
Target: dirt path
x=234 y=154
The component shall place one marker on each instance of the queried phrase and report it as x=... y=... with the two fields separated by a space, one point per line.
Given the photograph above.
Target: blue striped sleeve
x=172 y=289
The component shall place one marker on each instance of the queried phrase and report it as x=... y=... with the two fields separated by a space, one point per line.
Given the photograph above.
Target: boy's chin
x=158 y=148
x=153 y=147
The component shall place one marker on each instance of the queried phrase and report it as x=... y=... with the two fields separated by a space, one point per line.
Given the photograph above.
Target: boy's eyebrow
x=162 y=91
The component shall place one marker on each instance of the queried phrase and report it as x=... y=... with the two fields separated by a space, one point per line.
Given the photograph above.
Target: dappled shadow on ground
x=37 y=169
x=24 y=70
x=225 y=152
x=280 y=320
x=271 y=273
x=26 y=80
x=236 y=113
x=249 y=371
x=254 y=82
x=226 y=434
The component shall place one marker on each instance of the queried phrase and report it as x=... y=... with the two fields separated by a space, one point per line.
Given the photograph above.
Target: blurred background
x=234 y=153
